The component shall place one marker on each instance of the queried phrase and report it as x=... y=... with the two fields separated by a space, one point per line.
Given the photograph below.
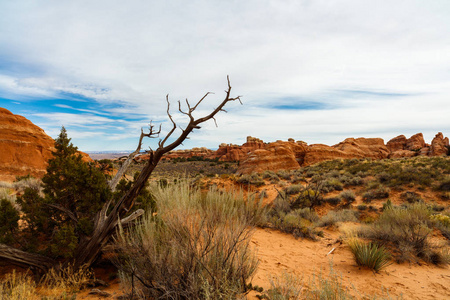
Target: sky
x=312 y=70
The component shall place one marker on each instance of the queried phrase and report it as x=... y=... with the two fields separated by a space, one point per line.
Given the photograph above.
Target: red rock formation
x=319 y=152
x=275 y=156
x=230 y=152
x=439 y=145
x=364 y=147
x=402 y=153
x=397 y=143
x=415 y=142
x=24 y=147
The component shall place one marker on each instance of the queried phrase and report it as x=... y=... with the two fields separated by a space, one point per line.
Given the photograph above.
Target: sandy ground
x=278 y=252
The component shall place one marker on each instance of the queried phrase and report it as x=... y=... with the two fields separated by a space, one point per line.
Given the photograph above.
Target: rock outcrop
x=230 y=152
x=293 y=155
x=439 y=145
x=275 y=156
x=24 y=147
x=415 y=142
x=281 y=155
x=397 y=143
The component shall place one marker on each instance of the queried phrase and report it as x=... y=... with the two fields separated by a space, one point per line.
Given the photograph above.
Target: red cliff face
x=24 y=147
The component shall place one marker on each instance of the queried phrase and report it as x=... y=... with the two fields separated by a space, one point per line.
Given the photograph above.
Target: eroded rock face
x=402 y=153
x=397 y=143
x=439 y=145
x=230 y=152
x=364 y=148
x=415 y=142
x=24 y=147
x=293 y=155
x=275 y=156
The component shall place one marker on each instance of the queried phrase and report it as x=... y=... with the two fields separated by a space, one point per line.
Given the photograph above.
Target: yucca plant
x=369 y=255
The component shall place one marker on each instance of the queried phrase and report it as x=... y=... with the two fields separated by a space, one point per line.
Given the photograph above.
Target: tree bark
x=26 y=260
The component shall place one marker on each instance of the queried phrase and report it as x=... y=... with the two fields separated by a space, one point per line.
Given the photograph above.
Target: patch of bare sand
x=278 y=252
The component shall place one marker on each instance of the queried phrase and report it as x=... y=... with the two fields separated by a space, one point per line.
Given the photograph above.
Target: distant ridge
x=25 y=149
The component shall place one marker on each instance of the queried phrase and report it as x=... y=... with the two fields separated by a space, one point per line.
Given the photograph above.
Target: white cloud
x=138 y=51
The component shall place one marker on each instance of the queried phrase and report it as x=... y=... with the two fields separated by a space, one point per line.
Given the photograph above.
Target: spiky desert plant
x=369 y=254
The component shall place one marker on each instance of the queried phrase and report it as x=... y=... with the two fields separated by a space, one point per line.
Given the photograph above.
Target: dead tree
x=107 y=219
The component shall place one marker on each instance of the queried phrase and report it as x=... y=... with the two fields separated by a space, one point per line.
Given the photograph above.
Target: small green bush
x=294 y=189
x=196 y=247
x=411 y=197
x=369 y=255
x=333 y=200
x=445 y=185
x=378 y=193
x=283 y=174
x=253 y=179
x=407 y=229
x=332 y=217
x=348 y=196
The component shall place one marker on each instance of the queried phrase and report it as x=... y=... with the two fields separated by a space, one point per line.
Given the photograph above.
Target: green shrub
x=407 y=229
x=196 y=247
x=411 y=197
x=283 y=174
x=362 y=207
x=369 y=255
x=332 y=217
x=253 y=179
x=270 y=175
x=378 y=193
x=445 y=185
x=286 y=287
x=348 y=196
x=294 y=189
x=9 y=221
x=333 y=184
x=333 y=200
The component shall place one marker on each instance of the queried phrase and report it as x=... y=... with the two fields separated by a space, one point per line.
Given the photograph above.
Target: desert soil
x=279 y=252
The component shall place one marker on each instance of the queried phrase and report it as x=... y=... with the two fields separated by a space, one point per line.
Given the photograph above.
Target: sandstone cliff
x=24 y=147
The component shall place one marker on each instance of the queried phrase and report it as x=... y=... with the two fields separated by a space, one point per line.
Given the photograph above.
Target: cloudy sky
x=317 y=71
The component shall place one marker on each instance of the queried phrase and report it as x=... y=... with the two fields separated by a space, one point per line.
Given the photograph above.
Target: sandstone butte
x=24 y=147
